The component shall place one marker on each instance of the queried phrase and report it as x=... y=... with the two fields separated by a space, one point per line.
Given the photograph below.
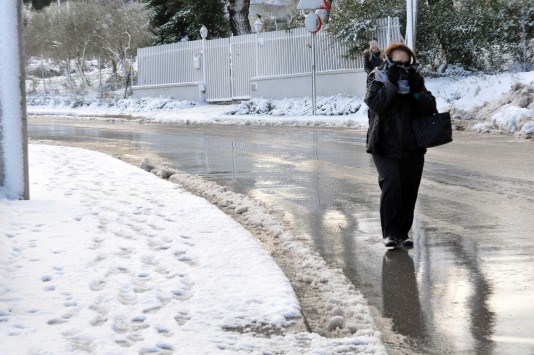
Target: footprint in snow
x=80 y=343
x=49 y=288
x=127 y=296
x=57 y=267
x=182 y=317
x=97 y=285
x=163 y=330
x=182 y=256
x=124 y=252
x=137 y=323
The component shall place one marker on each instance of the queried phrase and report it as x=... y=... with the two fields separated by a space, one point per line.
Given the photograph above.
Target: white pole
x=14 y=181
x=204 y=60
x=414 y=23
x=409 y=23
x=314 y=85
x=388 y=41
x=257 y=55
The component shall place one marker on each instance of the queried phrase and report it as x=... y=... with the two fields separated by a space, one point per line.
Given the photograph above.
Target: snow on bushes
x=130 y=105
x=326 y=106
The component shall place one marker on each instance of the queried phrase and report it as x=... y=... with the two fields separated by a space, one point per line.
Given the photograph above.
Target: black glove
x=416 y=81
x=393 y=74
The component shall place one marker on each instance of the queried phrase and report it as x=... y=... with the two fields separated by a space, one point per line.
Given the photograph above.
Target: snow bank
x=338 y=308
x=510 y=113
x=475 y=90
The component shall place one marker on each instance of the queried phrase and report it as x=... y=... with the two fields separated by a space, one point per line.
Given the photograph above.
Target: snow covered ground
x=463 y=96
x=108 y=258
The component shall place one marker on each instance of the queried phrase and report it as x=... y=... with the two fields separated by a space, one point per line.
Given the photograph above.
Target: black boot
x=390 y=242
x=406 y=241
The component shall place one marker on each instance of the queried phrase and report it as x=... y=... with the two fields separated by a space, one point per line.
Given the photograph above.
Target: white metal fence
x=230 y=63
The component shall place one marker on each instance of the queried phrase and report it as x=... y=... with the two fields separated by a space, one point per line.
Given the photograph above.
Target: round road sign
x=313 y=22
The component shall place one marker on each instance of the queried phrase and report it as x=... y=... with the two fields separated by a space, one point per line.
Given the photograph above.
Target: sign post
x=313 y=23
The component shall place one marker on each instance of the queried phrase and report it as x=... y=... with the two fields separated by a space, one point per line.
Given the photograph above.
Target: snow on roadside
x=510 y=113
x=476 y=90
x=92 y=106
x=339 y=309
x=338 y=105
x=465 y=95
x=107 y=258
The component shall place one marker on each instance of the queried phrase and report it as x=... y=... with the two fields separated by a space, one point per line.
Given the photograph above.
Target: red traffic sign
x=313 y=22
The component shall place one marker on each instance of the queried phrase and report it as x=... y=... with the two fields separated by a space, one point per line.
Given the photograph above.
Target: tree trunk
x=79 y=64
x=239 y=23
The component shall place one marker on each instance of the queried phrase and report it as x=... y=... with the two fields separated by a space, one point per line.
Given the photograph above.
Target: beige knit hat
x=373 y=44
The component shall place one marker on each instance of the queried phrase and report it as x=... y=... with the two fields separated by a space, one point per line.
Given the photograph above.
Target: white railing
x=230 y=63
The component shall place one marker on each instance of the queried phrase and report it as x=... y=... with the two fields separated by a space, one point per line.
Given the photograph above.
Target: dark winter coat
x=371 y=60
x=390 y=114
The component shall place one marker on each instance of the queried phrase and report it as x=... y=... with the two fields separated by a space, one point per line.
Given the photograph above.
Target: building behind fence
x=271 y=65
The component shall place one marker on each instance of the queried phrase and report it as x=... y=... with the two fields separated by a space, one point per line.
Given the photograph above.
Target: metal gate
x=229 y=67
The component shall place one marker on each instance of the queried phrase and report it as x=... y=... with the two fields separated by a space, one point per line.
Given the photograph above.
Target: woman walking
x=372 y=57
x=396 y=95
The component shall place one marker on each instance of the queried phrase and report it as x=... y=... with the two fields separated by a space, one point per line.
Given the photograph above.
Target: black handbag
x=431 y=131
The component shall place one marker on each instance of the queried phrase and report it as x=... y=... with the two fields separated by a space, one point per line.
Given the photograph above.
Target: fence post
x=14 y=181
x=232 y=74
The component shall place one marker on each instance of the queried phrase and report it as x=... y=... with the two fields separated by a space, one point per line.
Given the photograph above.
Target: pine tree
x=176 y=20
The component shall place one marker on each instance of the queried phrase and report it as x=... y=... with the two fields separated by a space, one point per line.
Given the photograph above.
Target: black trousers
x=399 y=181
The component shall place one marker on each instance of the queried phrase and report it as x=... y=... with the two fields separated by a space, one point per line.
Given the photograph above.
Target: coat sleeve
x=379 y=94
x=367 y=64
x=425 y=103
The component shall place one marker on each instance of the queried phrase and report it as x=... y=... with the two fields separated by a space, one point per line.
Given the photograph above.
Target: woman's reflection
x=400 y=294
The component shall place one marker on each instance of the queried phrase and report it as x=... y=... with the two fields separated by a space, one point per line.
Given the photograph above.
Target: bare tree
x=63 y=33
x=123 y=29
x=111 y=30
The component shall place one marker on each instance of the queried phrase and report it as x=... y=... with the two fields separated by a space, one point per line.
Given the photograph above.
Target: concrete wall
x=329 y=83
x=180 y=91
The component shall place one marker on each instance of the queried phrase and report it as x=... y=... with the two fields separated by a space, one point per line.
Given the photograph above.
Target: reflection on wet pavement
x=400 y=296
x=467 y=285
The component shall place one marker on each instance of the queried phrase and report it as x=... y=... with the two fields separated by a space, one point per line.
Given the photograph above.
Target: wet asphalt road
x=466 y=287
